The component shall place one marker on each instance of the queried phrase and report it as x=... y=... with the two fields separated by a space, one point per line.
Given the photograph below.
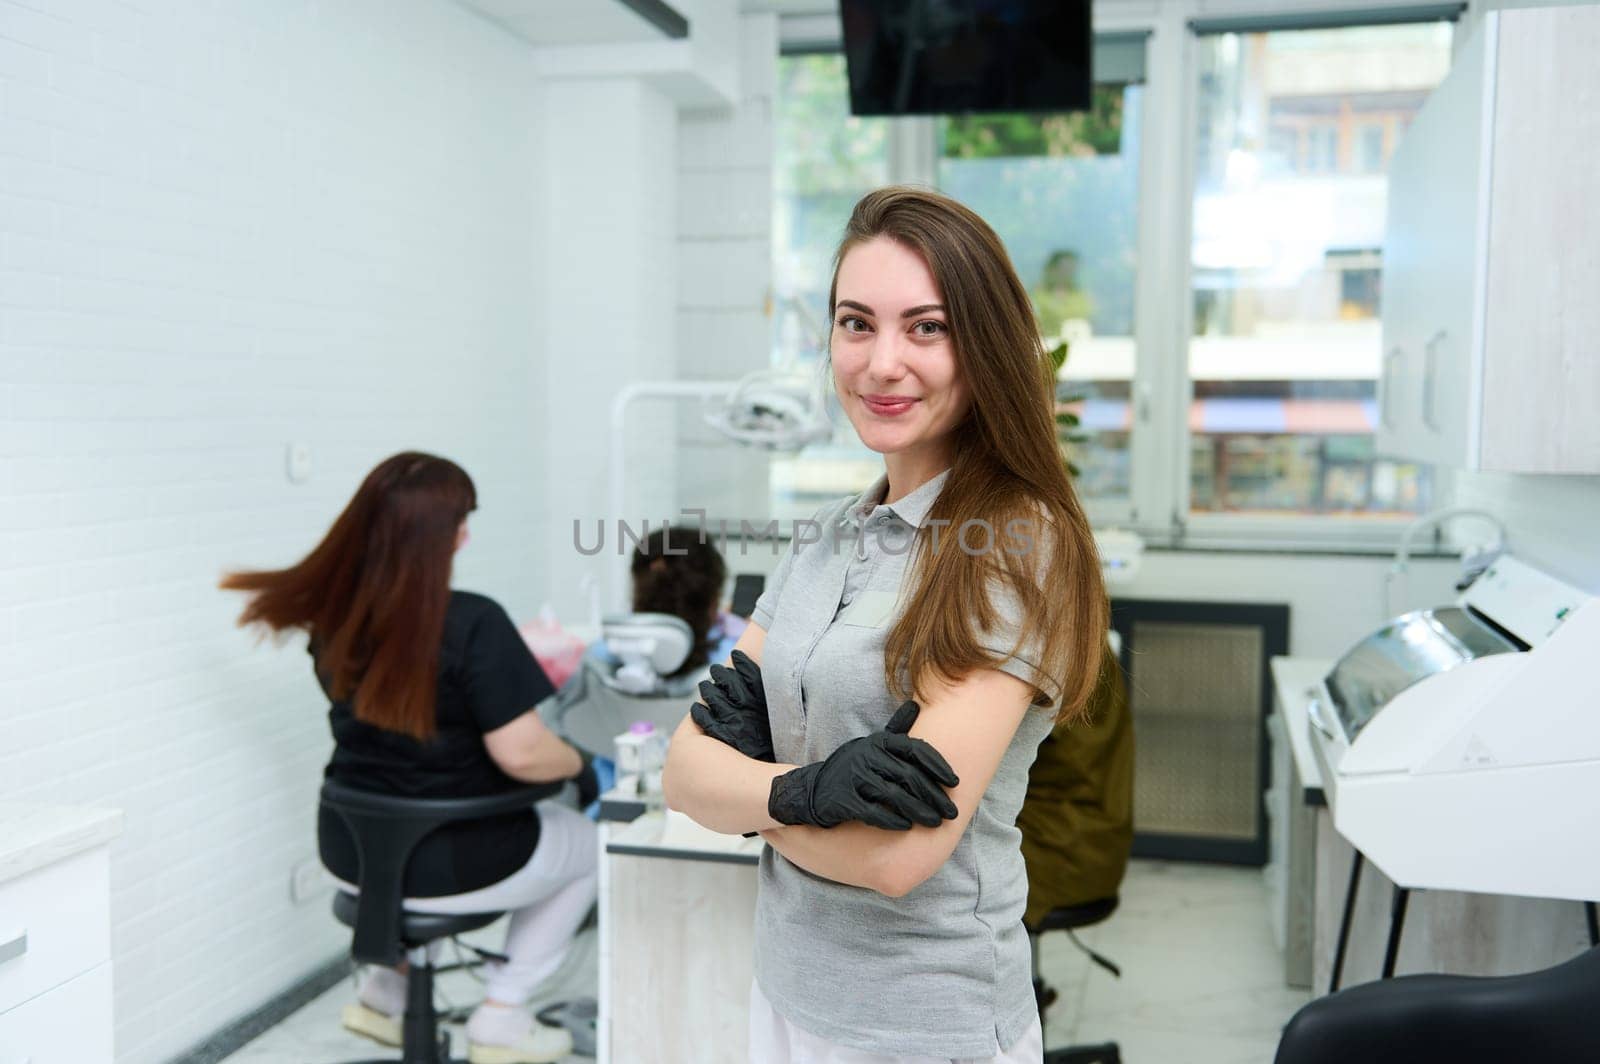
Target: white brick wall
x=725 y=266
x=224 y=228
x=1550 y=521
x=612 y=287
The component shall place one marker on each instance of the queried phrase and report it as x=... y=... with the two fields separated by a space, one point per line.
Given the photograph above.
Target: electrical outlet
x=308 y=880
x=298 y=462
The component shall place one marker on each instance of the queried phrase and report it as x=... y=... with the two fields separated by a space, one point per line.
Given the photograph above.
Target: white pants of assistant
x=547 y=898
x=774 y=1040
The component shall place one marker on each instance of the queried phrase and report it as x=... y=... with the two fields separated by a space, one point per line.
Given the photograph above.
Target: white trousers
x=547 y=898
x=774 y=1040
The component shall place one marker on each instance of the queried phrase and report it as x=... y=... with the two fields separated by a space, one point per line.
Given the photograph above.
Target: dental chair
x=386 y=830
x=603 y=698
x=1546 y=1016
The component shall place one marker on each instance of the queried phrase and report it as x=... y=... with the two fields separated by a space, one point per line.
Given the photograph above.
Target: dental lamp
x=778 y=410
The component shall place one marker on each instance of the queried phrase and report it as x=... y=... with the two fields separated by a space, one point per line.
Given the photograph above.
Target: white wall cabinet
x=1491 y=319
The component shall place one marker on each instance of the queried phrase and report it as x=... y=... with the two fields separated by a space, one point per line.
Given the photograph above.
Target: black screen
x=746 y=590
x=963 y=56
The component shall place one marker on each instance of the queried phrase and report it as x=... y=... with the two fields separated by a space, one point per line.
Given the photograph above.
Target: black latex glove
x=887 y=780
x=733 y=708
x=588 y=783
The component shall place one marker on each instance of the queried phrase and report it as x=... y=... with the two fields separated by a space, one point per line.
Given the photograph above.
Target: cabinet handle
x=1430 y=365
x=10 y=951
x=1386 y=387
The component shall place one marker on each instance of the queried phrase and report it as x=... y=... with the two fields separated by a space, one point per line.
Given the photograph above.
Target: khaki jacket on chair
x=1077 y=817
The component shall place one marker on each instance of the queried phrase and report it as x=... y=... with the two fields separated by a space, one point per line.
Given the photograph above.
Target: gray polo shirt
x=943 y=971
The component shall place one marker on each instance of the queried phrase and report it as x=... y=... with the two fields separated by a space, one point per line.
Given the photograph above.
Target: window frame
x=1265 y=532
x=1158 y=506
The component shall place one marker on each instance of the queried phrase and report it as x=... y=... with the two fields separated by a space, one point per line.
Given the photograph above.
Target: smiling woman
x=880 y=733
x=894 y=367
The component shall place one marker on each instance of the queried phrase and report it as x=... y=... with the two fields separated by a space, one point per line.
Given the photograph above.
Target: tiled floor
x=1202 y=982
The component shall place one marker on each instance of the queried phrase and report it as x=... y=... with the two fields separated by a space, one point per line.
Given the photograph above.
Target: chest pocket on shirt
x=870 y=609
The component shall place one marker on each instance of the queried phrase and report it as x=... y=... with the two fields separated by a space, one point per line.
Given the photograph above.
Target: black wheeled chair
x=386 y=829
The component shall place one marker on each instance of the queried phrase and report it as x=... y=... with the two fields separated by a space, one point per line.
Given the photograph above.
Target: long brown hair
x=678 y=571
x=1008 y=467
x=373 y=593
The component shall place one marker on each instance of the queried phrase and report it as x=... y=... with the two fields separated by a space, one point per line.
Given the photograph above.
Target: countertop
x=1295 y=680
x=670 y=834
x=32 y=835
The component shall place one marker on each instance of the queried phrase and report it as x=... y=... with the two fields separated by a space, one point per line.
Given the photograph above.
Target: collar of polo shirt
x=913 y=509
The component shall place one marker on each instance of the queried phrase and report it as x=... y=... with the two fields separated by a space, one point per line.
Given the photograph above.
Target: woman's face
x=894 y=367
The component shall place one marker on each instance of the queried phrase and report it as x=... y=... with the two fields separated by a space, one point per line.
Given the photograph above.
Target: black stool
x=1069 y=918
x=386 y=829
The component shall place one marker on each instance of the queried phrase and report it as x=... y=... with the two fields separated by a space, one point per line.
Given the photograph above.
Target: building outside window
x=826 y=160
x=1296 y=130
x=1062 y=192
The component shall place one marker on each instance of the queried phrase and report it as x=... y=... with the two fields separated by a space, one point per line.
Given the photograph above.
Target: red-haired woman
x=432 y=695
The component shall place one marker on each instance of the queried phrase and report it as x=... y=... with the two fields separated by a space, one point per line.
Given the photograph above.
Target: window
x=1372 y=147
x=826 y=160
x=1062 y=192
x=1296 y=131
x=1266 y=409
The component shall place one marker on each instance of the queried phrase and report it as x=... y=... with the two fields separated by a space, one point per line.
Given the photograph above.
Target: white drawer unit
x=55 y=923
x=55 y=935
x=69 y=1025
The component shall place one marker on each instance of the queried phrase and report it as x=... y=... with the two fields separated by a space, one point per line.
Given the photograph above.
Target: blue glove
x=602 y=771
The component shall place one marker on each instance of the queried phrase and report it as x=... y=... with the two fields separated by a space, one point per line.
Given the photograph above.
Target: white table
x=1292 y=802
x=677 y=907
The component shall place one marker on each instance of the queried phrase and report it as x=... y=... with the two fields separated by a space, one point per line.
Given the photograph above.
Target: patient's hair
x=686 y=583
x=374 y=592
x=1008 y=466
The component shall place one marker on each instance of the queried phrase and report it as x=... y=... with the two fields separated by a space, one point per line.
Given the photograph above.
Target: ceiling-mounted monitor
x=965 y=56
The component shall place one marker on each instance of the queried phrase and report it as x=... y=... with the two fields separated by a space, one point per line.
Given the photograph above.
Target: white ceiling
x=792 y=7
x=568 y=21
x=556 y=22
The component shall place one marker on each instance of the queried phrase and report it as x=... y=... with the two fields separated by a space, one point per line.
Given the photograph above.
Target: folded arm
x=971 y=723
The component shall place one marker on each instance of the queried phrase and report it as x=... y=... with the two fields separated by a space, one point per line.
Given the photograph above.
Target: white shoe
x=540 y=1045
x=370 y=1023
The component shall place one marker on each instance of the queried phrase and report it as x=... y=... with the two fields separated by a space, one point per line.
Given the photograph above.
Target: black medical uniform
x=487 y=678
